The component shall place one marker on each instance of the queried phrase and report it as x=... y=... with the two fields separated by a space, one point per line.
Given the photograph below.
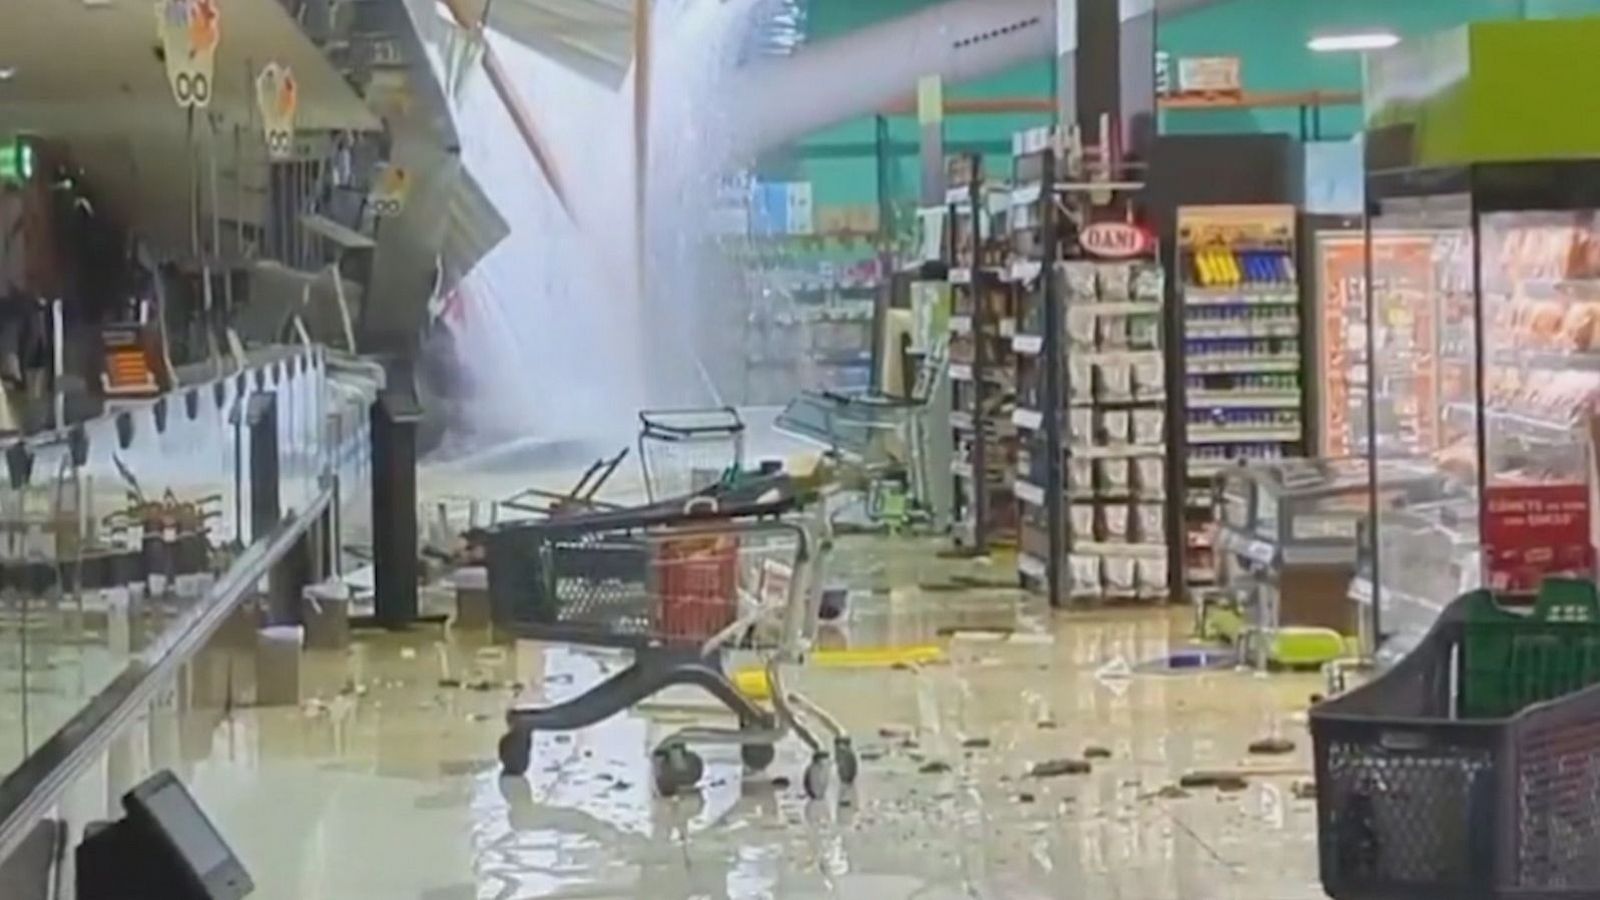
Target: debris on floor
x=1222 y=781
x=1096 y=752
x=1272 y=746
x=1055 y=768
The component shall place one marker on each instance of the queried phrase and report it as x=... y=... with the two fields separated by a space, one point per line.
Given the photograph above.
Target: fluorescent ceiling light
x=1360 y=40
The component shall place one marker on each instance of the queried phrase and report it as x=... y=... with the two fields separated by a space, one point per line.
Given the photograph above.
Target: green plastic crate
x=1511 y=660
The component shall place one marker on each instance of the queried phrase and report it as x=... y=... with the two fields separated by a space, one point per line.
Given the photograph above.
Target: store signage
x=189 y=31
x=277 y=99
x=390 y=188
x=1210 y=74
x=1116 y=240
x=1531 y=531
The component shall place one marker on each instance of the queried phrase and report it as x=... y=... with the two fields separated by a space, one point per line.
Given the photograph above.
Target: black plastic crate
x=1416 y=801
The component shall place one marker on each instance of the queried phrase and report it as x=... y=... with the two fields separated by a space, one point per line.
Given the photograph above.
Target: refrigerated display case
x=1516 y=292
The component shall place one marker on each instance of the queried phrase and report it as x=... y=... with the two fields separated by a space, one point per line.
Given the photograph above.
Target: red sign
x=1116 y=240
x=1531 y=531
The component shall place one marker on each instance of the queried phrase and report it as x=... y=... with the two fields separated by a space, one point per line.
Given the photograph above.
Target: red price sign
x=1534 y=530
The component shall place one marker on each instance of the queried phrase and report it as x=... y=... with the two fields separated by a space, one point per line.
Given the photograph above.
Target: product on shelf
x=1113 y=390
x=1242 y=347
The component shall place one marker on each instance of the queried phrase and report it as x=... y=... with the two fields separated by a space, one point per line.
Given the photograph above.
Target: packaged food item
x=1078 y=282
x=1115 y=425
x=1080 y=427
x=1144 y=332
x=1114 y=523
x=1121 y=576
x=1148 y=378
x=1080 y=328
x=1114 y=478
x=1082 y=523
x=1080 y=378
x=1115 y=380
x=1151 y=475
x=1152 y=578
x=1080 y=477
x=1116 y=282
x=1149 y=427
x=1149 y=283
x=1084 y=572
x=1152 y=524
x=1113 y=332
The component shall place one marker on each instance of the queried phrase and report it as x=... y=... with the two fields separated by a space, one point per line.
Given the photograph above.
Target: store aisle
x=385 y=785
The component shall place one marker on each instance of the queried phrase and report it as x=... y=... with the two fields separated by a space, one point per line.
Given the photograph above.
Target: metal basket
x=683 y=451
x=1416 y=800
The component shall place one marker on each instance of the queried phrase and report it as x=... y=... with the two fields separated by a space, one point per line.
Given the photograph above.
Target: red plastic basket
x=696 y=580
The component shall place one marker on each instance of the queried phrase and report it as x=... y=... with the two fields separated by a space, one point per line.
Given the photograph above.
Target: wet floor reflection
x=384 y=784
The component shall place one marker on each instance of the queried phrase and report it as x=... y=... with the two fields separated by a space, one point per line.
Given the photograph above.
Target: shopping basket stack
x=676 y=584
x=1471 y=769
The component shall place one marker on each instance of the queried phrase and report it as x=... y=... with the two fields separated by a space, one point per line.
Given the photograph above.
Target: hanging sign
x=277 y=98
x=189 y=32
x=1531 y=531
x=389 y=190
x=1116 y=240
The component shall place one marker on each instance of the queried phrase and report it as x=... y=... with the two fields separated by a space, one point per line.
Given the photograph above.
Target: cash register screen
x=191 y=833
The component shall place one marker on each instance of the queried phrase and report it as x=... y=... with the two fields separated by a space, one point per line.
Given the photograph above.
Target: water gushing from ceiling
x=559 y=337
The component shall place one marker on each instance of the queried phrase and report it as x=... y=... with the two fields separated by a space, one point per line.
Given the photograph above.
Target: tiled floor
x=386 y=786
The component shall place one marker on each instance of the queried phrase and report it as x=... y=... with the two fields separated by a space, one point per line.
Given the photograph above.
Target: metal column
x=394 y=507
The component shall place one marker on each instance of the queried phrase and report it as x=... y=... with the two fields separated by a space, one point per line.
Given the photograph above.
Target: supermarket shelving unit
x=982 y=375
x=1091 y=390
x=811 y=322
x=1243 y=360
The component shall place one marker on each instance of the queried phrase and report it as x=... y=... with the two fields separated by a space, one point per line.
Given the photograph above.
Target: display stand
x=1091 y=381
x=1242 y=360
x=982 y=322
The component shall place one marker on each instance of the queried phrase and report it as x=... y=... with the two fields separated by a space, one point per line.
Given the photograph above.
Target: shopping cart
x=682 y=451
x=1471 y=769
x=677 y=586
x=885 y=440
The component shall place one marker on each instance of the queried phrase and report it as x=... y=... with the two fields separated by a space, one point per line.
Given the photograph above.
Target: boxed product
x=1084 y=572
x=1117 y=426
x=1149 y=427
x=1080 y=379
x=1078 y=283
x=1151 y=476
x=1116 y=380
x=1080 y=477
x=1080 y=427
x=1116 y=282
x=1113 y=480
x=1152 y=578
x=1149 y=378
x=1115 y=523
x=1152 y=524
x=1082 y=521
x=1121 y=576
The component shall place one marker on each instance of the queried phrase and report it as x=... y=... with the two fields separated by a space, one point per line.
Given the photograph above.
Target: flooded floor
x=385 y=784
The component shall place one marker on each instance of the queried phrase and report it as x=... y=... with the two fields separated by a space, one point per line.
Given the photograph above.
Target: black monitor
x=164 y=848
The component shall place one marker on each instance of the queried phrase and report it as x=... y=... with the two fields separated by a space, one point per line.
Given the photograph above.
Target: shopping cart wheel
x=676 y=768
x=816 y=777
x=757 y=756
x=516 y=749
x=844 y=756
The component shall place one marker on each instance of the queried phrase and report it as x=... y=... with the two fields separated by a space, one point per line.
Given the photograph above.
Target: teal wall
x=1270 y=38
x=1269 y=35
x=840 y=161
